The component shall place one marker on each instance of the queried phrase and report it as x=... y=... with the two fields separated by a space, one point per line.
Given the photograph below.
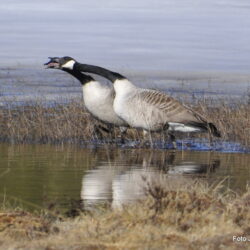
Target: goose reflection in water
x=122 y=179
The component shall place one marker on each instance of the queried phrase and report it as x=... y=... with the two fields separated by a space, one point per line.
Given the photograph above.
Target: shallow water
x=49 y=87
x=37 y=175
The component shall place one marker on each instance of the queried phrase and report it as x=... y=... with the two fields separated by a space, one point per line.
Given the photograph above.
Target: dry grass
x=40 y=124
x=71 y=123
x=233 y=120
x=170 y=218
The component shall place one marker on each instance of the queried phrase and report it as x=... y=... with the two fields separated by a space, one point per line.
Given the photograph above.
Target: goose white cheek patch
x=69 y=64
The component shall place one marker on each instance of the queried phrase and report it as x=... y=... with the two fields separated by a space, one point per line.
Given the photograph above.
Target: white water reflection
x=122 y=181
x=41 y=174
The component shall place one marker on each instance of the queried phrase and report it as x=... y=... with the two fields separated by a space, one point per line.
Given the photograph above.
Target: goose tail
x=206 y=126
x=214 y=130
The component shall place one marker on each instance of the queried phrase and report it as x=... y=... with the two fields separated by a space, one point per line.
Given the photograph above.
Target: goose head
x=65 y=62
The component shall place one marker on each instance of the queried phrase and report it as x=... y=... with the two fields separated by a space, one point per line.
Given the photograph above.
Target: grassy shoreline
x=189 y=216
x=71 y=123
x=181 y=216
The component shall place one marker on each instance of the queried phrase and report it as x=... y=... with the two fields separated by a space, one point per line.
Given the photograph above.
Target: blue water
x=218 y=146
x=195 y=144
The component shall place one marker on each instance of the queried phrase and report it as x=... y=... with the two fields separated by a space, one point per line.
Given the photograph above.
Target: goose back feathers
x=154 y=111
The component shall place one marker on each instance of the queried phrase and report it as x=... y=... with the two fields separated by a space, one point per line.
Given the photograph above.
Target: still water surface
x=41 y=174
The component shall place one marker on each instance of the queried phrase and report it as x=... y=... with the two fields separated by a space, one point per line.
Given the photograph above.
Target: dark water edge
x=193 y=144
x=201 y=145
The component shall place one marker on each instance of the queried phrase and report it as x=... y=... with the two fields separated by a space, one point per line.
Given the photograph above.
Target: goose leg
x=99 y=130
x=172 y=139
x=123 y=131
x=145 y=134
x=170 y=135
x=210 y=139
x=163 y=139
x=146 y=140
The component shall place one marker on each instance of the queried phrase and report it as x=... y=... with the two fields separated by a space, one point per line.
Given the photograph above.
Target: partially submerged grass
x=182 y=216
x=233 y=120
x=39 y=124
x=71 y=123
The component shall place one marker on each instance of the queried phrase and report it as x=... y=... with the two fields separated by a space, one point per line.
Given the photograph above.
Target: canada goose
x=148 y=109
x=98 y=98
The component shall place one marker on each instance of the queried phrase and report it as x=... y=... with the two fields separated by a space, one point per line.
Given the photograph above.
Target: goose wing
x=175 y=112
x=172 y=109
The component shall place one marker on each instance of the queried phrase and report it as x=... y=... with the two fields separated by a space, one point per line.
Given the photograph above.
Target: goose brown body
x=154 y=111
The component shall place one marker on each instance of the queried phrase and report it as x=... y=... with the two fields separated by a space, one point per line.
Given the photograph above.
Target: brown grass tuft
x=71 y=123
x=232 y=119
x=190 y=217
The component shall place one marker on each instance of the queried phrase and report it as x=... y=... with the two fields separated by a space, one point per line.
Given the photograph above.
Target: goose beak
x=53 y=63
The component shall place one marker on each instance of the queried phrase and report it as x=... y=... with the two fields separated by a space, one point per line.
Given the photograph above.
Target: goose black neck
x=112 y=76
x=80 y=76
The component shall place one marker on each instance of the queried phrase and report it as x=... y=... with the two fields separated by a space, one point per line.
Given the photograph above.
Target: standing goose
x=148 y=109
x=98 y=98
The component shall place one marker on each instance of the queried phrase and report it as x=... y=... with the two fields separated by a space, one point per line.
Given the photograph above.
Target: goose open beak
x=53 y=63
